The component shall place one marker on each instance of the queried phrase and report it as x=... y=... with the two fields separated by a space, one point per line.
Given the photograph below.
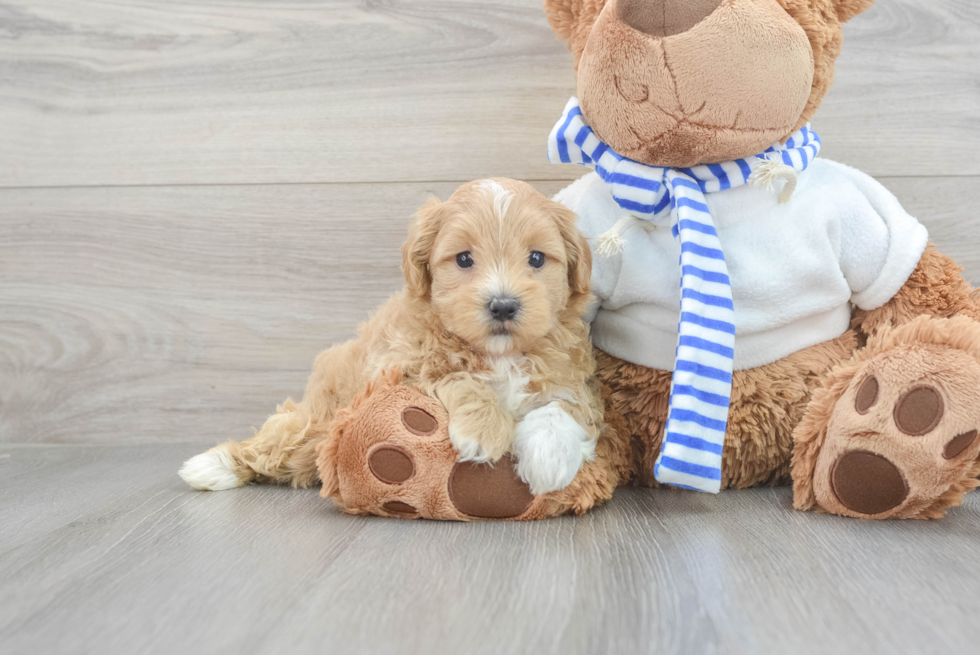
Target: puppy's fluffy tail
x=282 y=451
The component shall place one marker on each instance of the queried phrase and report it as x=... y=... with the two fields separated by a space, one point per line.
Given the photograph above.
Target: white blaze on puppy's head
x=500 y=197
x=499 y=263
x=495 y=285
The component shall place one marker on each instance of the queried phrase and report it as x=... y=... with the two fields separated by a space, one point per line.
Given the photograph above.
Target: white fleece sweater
x=795 y=268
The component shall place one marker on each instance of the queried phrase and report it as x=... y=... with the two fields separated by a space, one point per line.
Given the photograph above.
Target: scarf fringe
x=765 y=174
x=612 y=243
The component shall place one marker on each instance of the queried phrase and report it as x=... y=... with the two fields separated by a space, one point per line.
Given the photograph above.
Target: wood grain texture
x=906 y=99
x=105 y=92
x=133 y=315
x=165 y=569
x=218 y=297
x=45 y=489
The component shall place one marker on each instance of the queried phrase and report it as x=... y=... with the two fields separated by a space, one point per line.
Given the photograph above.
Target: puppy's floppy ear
x=848 y=9
x=578 y=252
x=573 y=20
x=417 y=250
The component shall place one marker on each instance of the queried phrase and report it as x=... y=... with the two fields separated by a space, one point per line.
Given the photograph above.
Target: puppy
x=489 y=323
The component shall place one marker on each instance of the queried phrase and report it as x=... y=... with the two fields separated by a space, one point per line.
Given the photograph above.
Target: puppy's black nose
x=504 y=308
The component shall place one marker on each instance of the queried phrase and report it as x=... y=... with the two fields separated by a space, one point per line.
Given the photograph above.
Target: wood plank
x=108 y=334
x=906 y=67
x=47 y=488
x=271 y=570
x=838 y=585
x=132 y=315
x=94 y=92
x=947 y=207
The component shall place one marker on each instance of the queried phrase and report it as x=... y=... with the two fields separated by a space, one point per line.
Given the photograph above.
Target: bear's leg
x=389 y=454
x=639 y=395
x=767 y=403
x=893 y=432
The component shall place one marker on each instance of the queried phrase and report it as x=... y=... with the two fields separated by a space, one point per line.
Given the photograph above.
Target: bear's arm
x=935 y=288
x=880 y=243
x=915 y=278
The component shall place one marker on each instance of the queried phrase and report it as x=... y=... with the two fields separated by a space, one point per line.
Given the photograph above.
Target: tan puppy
x=489 y=323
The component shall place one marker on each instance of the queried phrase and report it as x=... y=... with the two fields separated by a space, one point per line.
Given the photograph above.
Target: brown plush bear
x=856 y=365
x=877 y=419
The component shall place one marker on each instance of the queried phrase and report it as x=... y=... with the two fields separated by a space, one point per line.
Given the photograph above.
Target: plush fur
x=780 y=412
x=440 y=335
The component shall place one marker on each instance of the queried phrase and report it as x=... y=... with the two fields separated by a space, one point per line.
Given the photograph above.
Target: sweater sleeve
x=881 y=244
x=597 y=212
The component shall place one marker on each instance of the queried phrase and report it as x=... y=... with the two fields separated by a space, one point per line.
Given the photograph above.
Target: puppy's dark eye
x=464 y=260
x=536 y=260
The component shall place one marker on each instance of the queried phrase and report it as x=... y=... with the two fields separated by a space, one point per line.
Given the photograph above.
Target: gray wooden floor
x=104 y=550
x=196 y=196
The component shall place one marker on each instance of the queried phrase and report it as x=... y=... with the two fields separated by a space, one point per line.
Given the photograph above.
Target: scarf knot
x=700 y=393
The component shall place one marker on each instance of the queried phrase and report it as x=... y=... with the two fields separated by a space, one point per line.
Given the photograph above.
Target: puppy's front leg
x=480 y=429
x=552 y=443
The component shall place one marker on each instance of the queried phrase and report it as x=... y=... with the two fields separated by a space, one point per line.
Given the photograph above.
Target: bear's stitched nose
x=664 y=17
x=503 y=309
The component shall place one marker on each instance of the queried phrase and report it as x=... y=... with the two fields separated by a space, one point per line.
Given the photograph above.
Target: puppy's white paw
x=469 y=449
x=550 y=448
x=210 y=471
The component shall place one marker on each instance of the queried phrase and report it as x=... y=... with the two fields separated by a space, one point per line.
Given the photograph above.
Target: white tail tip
x=210 y=471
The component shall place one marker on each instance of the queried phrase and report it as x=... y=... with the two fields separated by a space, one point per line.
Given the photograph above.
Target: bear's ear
x=848 y=9
x=573 y=20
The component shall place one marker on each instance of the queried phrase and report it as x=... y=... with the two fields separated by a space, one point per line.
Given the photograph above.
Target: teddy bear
x=820 y=339
x=764 y=316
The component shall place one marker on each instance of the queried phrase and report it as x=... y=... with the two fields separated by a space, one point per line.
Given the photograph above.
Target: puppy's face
x=499 y=263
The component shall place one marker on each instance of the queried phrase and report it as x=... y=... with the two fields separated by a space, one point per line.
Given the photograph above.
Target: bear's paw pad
x=902 y=439
x=488 y=491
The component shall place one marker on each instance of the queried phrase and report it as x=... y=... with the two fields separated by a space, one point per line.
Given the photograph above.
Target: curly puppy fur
x=440 y=334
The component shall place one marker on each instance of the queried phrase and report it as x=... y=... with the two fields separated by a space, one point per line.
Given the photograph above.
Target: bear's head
x=684 y=82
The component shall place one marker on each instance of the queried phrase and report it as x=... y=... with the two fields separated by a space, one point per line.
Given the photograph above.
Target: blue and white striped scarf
x=701 y=384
